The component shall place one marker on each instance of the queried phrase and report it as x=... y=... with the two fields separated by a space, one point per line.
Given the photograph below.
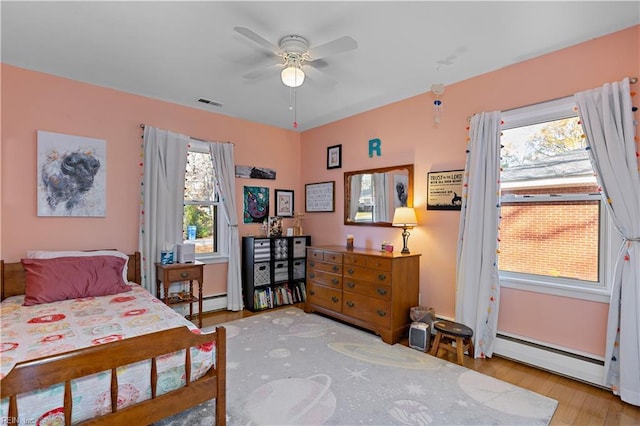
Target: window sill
x=555 y=289
x=211 y=260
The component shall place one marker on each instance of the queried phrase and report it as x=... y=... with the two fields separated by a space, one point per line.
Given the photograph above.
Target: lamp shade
x=405 y=216
x=292 y=76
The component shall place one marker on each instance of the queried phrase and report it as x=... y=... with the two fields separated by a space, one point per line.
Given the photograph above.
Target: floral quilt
x=30 y=332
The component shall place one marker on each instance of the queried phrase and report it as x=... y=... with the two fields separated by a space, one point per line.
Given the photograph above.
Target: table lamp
x=405 y=217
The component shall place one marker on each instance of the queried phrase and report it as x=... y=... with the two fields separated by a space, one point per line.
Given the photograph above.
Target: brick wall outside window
x=550 y=238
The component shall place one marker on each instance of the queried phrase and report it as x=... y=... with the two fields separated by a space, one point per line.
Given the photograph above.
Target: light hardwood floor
x=578 y=403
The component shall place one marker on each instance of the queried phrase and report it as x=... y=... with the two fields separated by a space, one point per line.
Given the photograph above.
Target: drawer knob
x=335 y=268
x=312 y=275
x=382 y=291
x=311 y=292
x=381 y=312
x=350 y=271
x=312 y=264
x=350 y=284
x=335 y=299
x=350 y=304
x=184 y=274
x=382 y=277
x=334 y=281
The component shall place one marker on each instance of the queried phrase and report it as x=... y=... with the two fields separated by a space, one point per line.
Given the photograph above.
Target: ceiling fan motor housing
x=294 y=44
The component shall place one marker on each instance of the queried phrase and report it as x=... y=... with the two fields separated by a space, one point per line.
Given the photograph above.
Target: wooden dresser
x=368 y=288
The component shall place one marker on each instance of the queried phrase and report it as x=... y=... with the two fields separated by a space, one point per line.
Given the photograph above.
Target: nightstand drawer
x=185 y=274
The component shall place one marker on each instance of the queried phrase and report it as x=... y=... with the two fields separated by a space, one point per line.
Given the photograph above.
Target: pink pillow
x=63 y=278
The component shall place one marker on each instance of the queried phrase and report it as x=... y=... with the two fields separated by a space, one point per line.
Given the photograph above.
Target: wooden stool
x=448 y=332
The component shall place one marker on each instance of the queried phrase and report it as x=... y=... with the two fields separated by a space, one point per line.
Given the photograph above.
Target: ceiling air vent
x=210 y=102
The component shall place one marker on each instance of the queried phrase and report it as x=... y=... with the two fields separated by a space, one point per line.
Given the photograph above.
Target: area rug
x=286 y=367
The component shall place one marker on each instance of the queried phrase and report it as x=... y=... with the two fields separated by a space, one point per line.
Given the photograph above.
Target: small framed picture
x=334 y=157
x=284 y=203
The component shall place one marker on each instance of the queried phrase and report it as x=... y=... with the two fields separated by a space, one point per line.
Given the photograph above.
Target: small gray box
x=281 y=271
x=261 y=273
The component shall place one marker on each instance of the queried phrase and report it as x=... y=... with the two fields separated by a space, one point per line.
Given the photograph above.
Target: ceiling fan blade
x=343 y=44
x=262 y=72
x=257 y=39
x=318 y=77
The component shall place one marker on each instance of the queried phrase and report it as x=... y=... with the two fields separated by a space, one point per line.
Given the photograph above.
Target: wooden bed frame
x=43 y=372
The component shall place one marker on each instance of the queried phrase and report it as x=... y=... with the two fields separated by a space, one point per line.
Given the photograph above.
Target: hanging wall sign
x=444 y=190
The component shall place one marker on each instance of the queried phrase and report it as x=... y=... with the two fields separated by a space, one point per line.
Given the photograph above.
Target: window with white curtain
x=554 y=230
x=202 y=211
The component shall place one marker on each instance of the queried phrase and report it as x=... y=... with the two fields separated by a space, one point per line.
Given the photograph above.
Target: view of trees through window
x=200 y=207
x=550 y=206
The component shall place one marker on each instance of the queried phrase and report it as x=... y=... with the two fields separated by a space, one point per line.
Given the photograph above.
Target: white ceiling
x=183 y=51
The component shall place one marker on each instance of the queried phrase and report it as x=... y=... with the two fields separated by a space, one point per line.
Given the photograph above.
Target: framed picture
x=71 y=175
x=284 y=203
x=334 y=157
x=256 y=204
x=319 y=197
x=444 y=190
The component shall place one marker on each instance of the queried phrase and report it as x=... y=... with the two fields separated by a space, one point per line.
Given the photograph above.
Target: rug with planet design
x=286 y=367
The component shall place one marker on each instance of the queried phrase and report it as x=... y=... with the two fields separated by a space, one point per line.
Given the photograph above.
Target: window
x=202 y=211
x=553 y=228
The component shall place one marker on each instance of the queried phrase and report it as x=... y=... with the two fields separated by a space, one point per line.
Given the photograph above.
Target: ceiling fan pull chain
x=295 y=109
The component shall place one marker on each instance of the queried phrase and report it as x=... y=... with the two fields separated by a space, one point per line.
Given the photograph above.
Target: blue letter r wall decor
x=374 y=145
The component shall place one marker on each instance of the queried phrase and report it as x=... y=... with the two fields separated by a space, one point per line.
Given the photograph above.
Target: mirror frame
x=347 y=191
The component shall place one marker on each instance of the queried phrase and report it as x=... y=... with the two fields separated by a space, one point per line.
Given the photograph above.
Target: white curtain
x=356 y=189
x=477 y=284
x=162 y=197
x=608 y=122
x=223 y=164
x=380 y=201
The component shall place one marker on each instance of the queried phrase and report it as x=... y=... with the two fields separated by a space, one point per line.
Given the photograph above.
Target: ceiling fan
x=296 y=57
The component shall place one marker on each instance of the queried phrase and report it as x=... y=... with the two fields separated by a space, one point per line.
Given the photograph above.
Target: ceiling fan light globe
x=292 y=76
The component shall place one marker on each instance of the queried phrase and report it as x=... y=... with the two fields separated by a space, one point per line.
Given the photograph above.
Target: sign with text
x=319 y=197
x=444 y=190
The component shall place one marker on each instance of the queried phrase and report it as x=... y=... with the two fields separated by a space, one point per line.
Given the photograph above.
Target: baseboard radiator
x=209 y=304
x=563 y=361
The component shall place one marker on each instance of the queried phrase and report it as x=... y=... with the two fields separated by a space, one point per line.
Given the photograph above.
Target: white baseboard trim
x=563 y=361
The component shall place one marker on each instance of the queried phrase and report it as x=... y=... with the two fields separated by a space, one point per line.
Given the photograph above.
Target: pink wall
x=409 y=135
x=34 y=101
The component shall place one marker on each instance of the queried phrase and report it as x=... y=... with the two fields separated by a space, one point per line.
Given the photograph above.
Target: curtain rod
x=632 y=80
x=142 y=126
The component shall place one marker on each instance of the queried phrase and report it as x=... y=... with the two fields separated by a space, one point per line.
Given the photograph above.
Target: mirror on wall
x=371 y=196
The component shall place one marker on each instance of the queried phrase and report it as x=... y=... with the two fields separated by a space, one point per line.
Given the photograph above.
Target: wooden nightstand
x=176 y=272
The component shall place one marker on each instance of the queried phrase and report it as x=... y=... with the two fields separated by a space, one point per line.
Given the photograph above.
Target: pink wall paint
x=34 y=101
x=409 y=135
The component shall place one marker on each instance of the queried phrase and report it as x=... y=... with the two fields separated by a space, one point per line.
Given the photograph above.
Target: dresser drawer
x=377 y=262
x=325 y=278
x=328 y=256
x=325 y=266
x=326 y=297
x=184 y=274
x=367 y=288
x=368 y=274
x=369 y=309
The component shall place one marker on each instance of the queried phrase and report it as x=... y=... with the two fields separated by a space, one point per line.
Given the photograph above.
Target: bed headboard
x=12 y=276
